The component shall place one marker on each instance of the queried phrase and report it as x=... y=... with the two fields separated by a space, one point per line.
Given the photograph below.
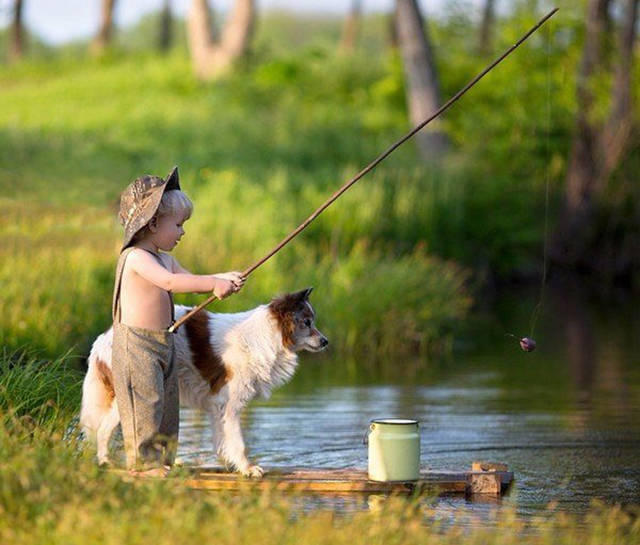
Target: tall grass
x=36 y=392
x=260 y=149
x=52 y=492
x=257 y=152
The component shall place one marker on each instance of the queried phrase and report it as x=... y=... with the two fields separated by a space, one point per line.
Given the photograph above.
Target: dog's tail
x=97 y=388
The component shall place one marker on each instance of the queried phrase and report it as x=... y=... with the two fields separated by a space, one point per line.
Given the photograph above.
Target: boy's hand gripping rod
x=370 y=167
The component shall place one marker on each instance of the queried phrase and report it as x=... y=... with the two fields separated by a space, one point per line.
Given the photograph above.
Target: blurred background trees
x=485 y=34
x=17 y=40
x=263 y=138
x=105 y=32
x=165 y=34
x=422 y=87
x=351 y=27
x=591 y=233
x=209 y=56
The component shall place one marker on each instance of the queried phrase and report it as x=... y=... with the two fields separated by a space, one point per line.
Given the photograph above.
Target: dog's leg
x=215 y=419
x=107 y=425
x=233 y=449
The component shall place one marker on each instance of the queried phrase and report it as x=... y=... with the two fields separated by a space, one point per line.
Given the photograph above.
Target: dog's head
x=295 y=317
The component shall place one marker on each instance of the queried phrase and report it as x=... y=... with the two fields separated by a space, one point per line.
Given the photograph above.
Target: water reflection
x=566 y=418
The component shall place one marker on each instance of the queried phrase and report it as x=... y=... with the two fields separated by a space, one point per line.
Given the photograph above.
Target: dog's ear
x=302 y=295
x=290 y=302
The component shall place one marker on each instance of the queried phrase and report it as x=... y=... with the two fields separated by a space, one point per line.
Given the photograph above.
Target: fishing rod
x=370 y=167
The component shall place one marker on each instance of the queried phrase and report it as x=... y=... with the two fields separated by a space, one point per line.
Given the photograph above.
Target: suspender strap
x=115 y=305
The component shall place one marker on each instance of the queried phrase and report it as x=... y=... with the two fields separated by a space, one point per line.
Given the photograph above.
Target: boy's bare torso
x=142 y=303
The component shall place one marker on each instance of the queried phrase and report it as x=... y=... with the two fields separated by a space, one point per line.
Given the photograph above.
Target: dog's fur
x=223 y=361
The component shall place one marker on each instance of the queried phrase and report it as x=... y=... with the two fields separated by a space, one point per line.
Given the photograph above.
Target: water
x=565 y=418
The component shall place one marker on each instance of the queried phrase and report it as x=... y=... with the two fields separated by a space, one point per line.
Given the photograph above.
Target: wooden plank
x=488 y=466
x=353 y=480
x=485 y=483
x=350 y=480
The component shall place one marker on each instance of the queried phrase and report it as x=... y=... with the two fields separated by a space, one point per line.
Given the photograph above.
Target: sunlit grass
x=51 y=491
x=257 y=152
x=36 y=392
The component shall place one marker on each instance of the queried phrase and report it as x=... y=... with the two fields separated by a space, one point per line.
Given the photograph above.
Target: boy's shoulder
x=141 y=256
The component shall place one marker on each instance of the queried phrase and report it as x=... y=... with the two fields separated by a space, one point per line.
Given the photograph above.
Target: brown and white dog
x=223 y=362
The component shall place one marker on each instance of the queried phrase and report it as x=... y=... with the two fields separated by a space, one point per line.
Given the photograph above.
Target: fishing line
x=370 y=167
x=536 y=310
x=528 y=344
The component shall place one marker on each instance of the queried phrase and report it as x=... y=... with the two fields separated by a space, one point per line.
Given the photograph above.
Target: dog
x=223 y=362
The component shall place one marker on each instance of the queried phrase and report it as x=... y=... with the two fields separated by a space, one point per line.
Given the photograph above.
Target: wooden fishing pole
x=370 y=167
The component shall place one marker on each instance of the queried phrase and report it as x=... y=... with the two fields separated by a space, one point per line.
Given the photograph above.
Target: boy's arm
x=233 y=276
x=177 y=282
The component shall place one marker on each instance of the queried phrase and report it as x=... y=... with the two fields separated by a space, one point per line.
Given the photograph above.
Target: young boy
x=152 y=211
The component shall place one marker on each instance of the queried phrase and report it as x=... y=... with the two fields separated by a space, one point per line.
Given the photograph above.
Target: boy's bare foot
x=153 y=472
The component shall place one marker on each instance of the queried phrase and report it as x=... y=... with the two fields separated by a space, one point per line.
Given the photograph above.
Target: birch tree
x=17 y=45
x=164 y=34
x=351 y=27
x=211 y=57
x=105 y=33
x=599 y=143
x=485 y=36
x=421 y=78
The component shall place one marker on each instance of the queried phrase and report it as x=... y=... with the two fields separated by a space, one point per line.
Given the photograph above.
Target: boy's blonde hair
x=173 y=202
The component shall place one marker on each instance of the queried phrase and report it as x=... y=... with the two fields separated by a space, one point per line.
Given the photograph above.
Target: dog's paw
x=255 y=472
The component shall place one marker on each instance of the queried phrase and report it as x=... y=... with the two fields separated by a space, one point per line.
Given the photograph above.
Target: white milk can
x=394 y=450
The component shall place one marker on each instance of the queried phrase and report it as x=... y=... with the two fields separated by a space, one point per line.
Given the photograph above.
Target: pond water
x=565 y=418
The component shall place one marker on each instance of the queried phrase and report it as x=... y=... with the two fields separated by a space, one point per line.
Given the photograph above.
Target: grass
x=51 y=491
x=70 y=144
x=395 y=262
x=35 y=392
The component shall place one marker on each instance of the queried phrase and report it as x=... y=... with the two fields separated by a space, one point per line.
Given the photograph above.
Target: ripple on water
x=554 y=460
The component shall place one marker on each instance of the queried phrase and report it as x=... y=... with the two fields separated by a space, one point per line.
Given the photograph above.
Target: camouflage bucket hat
x=140 y=201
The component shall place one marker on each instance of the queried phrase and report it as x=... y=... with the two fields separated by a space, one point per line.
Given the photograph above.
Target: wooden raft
x=484 y=478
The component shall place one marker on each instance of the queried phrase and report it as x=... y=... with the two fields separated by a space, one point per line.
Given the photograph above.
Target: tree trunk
x=164 y=35
x=103 y=38
x=209 y=58
x=617 y=131
x=597 y=148
x=16 y=48
x=392 y=30
x=485 y=38
x=422 y=88
x=351 y=28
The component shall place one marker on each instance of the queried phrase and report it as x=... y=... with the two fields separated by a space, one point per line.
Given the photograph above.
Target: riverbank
x=51 y=491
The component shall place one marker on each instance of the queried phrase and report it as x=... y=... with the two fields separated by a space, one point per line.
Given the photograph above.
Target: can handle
x=365 y=437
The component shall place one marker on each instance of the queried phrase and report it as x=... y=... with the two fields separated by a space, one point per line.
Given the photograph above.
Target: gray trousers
x=146 y=387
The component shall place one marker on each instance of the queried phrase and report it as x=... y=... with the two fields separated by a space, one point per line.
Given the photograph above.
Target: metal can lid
x=404 y=421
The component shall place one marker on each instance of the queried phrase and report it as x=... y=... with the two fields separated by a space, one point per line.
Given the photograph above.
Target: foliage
x=261 y=148
x=36 y=392
x=66 y=161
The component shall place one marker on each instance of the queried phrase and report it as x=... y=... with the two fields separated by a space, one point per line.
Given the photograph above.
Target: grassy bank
x=51 y=491
x=394 y=261
x=49 y=494
x=257 y=155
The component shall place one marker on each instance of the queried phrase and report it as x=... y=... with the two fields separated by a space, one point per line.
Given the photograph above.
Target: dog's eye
x=307 y=322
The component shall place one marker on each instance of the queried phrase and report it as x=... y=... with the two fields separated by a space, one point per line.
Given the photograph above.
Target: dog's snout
x=324 y=341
